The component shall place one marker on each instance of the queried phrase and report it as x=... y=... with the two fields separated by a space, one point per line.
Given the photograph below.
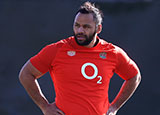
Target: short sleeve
x=42 y=61
x=126 y=68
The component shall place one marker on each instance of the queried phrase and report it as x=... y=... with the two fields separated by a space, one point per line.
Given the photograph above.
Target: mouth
x=81 y=37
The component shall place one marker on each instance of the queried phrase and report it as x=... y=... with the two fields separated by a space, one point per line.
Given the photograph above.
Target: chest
x=81 y=65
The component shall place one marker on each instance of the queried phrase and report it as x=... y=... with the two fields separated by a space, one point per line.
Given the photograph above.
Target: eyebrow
x=83 y=25
x=76 y=23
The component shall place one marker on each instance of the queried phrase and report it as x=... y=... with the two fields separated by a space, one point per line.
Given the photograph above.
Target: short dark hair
x=89 y=7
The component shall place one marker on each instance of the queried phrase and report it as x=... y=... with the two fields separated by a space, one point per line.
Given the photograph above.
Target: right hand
x=112 y=110
x=52 y=109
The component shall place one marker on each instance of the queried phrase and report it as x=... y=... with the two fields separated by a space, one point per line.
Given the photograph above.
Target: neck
x=93 y=42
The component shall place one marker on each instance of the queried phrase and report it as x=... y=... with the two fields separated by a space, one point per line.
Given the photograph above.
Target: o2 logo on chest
x=95 y=72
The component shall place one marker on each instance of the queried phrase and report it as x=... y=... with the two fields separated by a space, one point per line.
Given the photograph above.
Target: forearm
x=32 y=87
x=126 y=91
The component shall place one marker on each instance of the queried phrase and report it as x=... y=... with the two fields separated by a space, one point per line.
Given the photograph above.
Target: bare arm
x=28 y=77
x=126 y=91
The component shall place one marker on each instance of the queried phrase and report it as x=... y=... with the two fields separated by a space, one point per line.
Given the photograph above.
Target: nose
x=80 y=30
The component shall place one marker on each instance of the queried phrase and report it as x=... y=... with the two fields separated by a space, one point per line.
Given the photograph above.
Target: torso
x=81 y=77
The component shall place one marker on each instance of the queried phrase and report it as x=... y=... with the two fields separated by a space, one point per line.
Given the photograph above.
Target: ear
x=99 y=29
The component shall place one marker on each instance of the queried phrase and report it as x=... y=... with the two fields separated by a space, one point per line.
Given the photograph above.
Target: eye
x=86 y=26
x=77 y=25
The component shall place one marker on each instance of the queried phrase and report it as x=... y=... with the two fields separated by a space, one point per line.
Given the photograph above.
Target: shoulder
x=119 y=50
x=108 y=46
x=112 y=48
x=60 y=43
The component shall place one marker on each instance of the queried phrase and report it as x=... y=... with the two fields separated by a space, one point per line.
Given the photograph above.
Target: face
x=84 y=29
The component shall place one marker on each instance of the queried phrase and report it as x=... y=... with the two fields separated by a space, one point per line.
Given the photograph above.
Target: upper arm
x=29 y=69
x=126 y=68
x=43 y=60
x=136 y=79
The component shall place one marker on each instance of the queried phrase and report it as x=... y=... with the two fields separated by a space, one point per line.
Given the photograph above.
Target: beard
x=87 y=40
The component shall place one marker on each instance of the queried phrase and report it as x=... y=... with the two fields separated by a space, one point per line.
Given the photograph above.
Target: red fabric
x=126 y=67
x=81 y=75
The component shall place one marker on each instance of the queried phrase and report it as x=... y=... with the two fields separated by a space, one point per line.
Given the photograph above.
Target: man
x=81 y=67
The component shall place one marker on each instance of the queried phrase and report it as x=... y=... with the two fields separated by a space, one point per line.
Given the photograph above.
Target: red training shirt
x=81 y=75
